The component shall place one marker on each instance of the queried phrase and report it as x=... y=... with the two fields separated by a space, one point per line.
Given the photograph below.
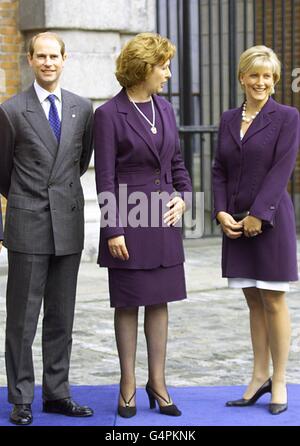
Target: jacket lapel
x=69 y=116
x=124 y=106
x=36 y=117
x=161 y=107
x=261 y=121
x=234 y=126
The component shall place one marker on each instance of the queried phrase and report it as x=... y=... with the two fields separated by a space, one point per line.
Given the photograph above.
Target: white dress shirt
x=43 y=94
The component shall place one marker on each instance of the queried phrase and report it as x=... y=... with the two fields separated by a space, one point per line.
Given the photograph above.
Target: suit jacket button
x=73 y=207
x=71 y=184
x=47 y=208
x=76 y=160
x=157 y=171
x=157 y=181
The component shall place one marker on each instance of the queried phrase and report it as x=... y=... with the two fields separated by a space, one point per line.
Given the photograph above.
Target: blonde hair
x=139 y=56
x=258 y=57
x=50 y=35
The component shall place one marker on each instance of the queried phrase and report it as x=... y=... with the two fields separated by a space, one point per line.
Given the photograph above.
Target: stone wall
x=93 y=31
x=11 y=44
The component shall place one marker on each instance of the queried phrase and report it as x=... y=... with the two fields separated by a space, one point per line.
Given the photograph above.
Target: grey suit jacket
x=40 y=179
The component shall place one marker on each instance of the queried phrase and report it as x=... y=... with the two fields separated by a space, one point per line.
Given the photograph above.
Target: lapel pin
x=73 y=116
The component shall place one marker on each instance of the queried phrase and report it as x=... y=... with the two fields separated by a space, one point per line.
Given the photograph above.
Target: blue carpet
x=102 y=400
x=201 y=406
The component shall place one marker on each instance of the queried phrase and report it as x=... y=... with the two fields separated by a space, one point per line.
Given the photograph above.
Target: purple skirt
x=141 y=287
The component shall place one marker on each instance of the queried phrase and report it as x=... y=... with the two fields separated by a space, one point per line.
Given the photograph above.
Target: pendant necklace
x=152 y=124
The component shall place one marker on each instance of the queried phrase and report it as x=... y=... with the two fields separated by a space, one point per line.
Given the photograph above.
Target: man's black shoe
x=67 y=407
x=21 y=414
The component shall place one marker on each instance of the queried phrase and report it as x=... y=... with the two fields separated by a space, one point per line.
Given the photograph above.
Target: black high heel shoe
x=169 y=409
x=127 y=411
x=277 y=408
x=265 y=388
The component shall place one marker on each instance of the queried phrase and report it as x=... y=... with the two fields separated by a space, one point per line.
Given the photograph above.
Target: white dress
x=240 y=282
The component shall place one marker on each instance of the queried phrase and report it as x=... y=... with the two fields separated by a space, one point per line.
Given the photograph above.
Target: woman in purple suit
x=138 y=162
x=256 y=154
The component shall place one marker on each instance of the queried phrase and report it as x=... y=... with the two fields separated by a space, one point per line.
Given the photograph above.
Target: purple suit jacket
x=252 y=175
x=125 y=154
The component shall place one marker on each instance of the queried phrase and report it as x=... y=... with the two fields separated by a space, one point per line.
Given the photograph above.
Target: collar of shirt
x=43 y=94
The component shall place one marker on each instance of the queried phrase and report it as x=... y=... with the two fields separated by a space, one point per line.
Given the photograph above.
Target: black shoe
x=276 y=408
x=67 y=407
x=169 y=409
x=21 y=414
x=265 y=388
x=127 y=411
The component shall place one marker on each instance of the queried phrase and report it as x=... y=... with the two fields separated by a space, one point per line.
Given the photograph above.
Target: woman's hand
x=252 y=226
x=177 y=208
x=117 y=247
x=230 y=227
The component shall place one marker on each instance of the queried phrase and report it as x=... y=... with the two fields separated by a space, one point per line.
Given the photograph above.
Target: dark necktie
x=54 y=118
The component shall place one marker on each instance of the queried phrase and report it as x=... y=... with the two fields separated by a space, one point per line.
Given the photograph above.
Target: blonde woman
x=257 y=150
x=136 y=145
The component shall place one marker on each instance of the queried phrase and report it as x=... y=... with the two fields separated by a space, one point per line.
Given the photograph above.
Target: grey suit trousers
x=32 y=279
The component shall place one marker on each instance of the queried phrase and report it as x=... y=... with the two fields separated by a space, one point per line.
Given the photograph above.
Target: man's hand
x=117 y=247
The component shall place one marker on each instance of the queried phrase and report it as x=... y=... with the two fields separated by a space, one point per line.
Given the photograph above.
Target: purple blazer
x=253 y=175
x=125 y=154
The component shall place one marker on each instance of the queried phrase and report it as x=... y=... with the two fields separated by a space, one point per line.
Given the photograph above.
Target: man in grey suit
x=45 y=146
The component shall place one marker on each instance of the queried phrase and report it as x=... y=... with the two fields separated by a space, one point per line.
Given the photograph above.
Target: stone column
x=94 y=32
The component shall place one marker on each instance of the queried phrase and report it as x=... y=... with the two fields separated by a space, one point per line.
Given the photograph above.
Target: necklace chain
x=244 y=114
x=152 y=124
